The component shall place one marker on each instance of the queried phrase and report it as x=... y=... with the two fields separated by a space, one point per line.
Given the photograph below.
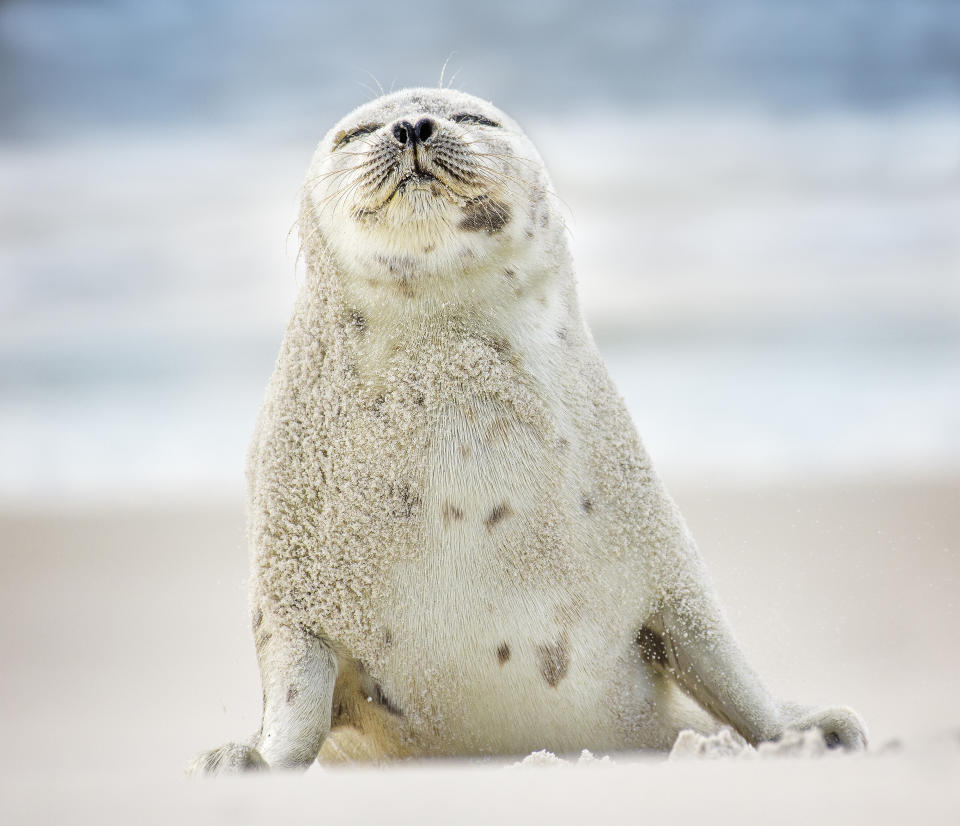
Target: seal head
x=428 y=190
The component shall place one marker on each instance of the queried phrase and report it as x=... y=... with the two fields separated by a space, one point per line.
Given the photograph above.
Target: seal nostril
x=400 y=133
x=424 y=129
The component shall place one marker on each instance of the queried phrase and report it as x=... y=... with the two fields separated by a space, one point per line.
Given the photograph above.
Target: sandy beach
x=762 y=202
x=126 y=649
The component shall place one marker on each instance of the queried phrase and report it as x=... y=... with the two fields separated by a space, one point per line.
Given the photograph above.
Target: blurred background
x=764 y=202
x=763 y=198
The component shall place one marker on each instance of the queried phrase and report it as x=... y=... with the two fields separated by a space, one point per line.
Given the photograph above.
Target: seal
x=459 y=544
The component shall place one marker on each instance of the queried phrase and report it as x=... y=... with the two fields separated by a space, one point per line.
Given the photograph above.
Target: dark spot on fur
x=388 y=638
x=554 y=661
x=587 y=504
x=404 y=287
x=419 y=399
x=832 y=739
x=498 y=430
x=562 y=334
x=563 y=443
x=406 y=501
x=509 y=272
x=257 y=619
x=529 y=233
x=503 y=653
x=429 y=248
x=652 y=648
x=465 y=450
x=499 y=344
x=377 y=405
x=292 y=693
x=483 y=214
x=358 y=321
x=381 y=699
x=498 y=514
x=395 y=263
x=451 y=513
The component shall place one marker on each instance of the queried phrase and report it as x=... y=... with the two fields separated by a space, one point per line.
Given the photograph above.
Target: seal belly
x=500 y=670
x=503 y=631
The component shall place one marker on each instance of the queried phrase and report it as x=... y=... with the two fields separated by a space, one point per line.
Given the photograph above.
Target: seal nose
x=424 y=129
x=405 y=132
x=402 y=131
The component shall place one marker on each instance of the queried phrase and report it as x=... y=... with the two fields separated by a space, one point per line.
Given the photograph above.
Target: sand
x=126 y=649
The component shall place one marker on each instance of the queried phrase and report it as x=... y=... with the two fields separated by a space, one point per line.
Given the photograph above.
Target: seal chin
x=423 y=192
x=418 y=198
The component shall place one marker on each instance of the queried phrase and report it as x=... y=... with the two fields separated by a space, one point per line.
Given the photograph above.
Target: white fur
x=451 y=515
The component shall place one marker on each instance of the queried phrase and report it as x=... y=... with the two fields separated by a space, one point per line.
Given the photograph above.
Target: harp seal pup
x=459 y=545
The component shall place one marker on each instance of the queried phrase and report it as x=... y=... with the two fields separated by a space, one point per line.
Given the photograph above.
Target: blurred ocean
x=763 y=200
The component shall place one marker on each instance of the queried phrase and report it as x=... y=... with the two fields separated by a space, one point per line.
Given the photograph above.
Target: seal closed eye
x=459 y=545
x=346 y=137
x=480 y=120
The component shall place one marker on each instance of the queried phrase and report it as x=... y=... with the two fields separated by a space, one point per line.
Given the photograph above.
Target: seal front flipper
x=841 y=727
x=298 y=670
x=701 y=654
x=697 y=648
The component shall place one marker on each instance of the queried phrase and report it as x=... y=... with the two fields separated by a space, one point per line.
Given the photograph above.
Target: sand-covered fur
x=459 y=544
